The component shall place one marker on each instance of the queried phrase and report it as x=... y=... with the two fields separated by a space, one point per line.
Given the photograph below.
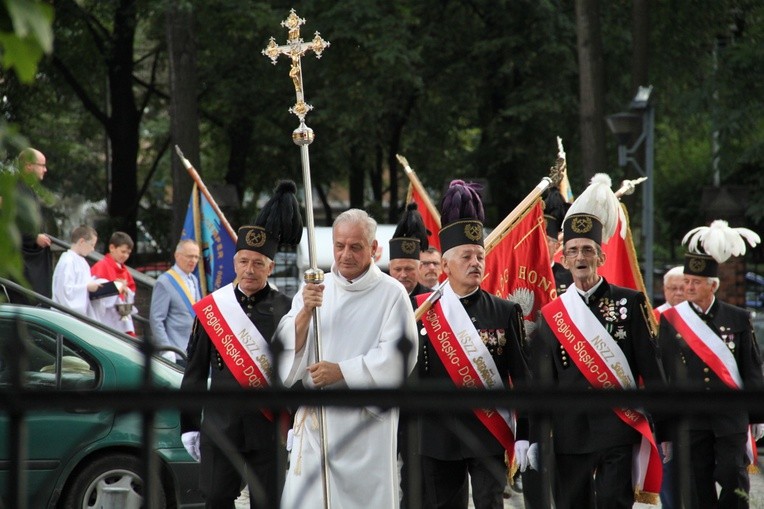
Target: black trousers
x=718 y=460
x=221 y=482
x=445 y=482
x=600 y=479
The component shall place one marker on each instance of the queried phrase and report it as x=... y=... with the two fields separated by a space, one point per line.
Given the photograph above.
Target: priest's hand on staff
x=312 y=296
x=325 y=373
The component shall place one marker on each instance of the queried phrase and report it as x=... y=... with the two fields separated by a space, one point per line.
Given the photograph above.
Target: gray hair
x=673 y=271
x=361 y=218
x=183 y=242
x=716 y=281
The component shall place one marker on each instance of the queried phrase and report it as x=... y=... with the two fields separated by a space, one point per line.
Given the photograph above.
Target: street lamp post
x=639 y=121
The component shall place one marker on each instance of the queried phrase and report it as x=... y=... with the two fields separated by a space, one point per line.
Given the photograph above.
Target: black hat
x=696 y=264
x=278 y=223
x=461 y=213
x=555 y=208
x=708 y=246
x=594 y=214
x=410 y=236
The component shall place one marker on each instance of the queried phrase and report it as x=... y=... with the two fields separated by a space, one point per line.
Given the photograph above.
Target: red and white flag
x=518 y=267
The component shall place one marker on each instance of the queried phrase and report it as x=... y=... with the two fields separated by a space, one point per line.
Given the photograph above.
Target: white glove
x=757 y=430
x=191 y=443
x=533 y=456
x=667 y=448
x=169 y=355
x=521 y=454
x=290 y=439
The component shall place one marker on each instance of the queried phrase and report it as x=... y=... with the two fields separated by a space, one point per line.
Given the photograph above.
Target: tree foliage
x=463 y=89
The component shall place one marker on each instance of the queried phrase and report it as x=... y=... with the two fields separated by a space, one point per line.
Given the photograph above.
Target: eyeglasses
x=586 y=252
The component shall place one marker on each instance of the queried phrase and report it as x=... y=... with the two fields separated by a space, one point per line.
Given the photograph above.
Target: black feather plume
x=461 y=201
x=412 y=225
x=555 y=205
x=281 y=215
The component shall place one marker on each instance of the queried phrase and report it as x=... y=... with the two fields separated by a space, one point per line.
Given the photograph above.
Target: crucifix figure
x=295 y=48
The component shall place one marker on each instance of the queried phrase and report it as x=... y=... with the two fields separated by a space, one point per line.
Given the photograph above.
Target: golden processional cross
x=303 y=136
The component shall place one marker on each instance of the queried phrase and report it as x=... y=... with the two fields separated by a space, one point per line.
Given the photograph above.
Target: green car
x=79 y=457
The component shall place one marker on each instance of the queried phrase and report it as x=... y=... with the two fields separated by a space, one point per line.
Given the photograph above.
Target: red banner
x=518 y=268
x=621 y=265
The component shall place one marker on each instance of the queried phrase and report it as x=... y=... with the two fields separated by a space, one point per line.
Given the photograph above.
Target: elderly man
x=430 y=267
x=364 y=314
x=473 y=339
x=708 y=343
x=175 y=292
x=597 y=335
x=230 y=344
x=673 y=290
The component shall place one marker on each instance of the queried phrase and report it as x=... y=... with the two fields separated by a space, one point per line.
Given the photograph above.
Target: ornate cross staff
x=303 y=136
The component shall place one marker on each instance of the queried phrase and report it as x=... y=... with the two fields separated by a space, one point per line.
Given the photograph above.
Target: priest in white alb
x=363 y=314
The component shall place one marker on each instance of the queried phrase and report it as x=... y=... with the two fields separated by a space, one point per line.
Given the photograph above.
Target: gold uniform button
x=706 y=370
x=706 y=379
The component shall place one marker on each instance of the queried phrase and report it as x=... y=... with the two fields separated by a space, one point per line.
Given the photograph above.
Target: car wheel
x=110 y=481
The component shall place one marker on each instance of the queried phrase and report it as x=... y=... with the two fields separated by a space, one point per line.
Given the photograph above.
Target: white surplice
x=361 y=324
x=70 y=283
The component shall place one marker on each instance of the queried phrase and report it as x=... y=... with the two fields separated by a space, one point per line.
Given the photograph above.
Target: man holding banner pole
x=230 y=344
x=473 y=340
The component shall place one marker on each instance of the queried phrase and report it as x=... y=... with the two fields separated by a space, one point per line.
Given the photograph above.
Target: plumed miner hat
x=462 y=215
x=278 y=223
x=594 y=214
x=555 y=208
x=708 y=246
x=410 y=236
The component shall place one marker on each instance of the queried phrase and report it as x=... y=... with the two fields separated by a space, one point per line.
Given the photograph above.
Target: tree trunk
x=591 y=87
x=123 y=122
x=184 y=116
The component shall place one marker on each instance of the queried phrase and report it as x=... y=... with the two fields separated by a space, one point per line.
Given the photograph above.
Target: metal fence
x=18 y=400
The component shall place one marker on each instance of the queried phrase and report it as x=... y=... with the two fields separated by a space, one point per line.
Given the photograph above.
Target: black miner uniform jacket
x=563 y=279
x=265 y=308
x=500 y=324
x=685 y=369
x=623 y=312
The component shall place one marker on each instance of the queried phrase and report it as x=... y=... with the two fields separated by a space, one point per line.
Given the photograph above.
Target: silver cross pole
x=303 y=136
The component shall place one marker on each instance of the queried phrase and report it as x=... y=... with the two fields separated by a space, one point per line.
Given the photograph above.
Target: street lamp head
x=641 y=98
x=625 y=126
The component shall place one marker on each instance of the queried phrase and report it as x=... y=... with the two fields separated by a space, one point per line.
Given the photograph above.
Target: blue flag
x=205 y=226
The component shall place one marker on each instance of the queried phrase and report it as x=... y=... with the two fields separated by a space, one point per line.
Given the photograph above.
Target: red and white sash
x=241 y=346
x=706 y=344
x=604 y=365
x=467 y=360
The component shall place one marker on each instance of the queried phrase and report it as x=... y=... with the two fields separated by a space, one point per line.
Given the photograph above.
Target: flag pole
x=500 y=231
x=303 y=136
x=195 y=176
x=196 y=214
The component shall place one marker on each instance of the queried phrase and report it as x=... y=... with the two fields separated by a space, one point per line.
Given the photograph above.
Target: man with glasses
x=35 y=245
x=597 y=336
x=175 y=292
x=430 y=267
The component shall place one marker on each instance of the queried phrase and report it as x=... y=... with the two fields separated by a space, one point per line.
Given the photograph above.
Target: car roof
x=98 y=342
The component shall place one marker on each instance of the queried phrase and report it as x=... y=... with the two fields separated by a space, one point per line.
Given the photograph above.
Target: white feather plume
x=719 y=240
x=600 y=201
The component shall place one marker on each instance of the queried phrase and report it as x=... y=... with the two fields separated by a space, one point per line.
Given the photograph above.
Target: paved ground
x=516 y=499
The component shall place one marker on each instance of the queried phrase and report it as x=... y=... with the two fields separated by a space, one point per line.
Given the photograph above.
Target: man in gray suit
x=174 y=293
